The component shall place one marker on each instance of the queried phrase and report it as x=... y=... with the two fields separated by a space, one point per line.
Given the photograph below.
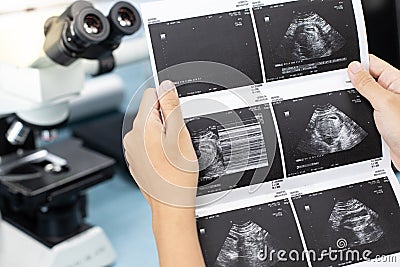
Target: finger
x=378 y=66
x=129 y=140
x=367 y=86
x=149 y=109
x=128 y=158
x=170 y=108
x=387 y=75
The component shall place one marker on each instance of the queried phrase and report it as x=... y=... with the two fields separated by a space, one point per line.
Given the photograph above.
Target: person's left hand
x=164 y=164
x=161 y=157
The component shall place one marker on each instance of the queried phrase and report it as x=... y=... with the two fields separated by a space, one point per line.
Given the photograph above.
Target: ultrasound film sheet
x=310 y=129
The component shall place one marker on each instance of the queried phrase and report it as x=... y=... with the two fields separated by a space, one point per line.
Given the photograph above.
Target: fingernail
x=355 y=67
x=166 y=86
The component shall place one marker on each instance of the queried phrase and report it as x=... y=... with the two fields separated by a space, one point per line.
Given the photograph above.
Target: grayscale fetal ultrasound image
x=325 y=131
x=246 y=239
x=330 y=131
x=310 y=37
x=235 y=148
x=226 y=38
x=357 y=217
x=307 y=36
x=251 y=237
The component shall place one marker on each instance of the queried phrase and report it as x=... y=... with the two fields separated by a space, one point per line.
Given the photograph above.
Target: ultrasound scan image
x=250 y=237
x=325 y=131
x=235 y=148
x=330 y=131
x=356 y=221
x=360 y=217
x=246 y=245
x=305 y=37
x=226 y=38
x=308 y=37
x=210 y=156
x=247 y=137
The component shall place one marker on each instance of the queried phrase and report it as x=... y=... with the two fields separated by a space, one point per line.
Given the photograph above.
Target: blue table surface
x=118 y=205
x=119 y=208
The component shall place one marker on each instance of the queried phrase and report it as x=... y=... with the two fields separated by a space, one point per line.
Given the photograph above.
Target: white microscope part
x=45 y=92
x=88 y=249
x=23 y=88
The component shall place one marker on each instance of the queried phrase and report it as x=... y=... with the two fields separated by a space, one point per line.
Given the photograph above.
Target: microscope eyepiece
x=124 y=20
x=92 y=24
x=84 y=32
x=90 y=27
x=125 y=17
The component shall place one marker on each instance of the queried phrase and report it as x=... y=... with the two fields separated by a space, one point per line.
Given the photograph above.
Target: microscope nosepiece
x=17 y=133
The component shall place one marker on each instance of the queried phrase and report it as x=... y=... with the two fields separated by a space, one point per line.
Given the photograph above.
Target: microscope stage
x=51 y=207
x=85 y=168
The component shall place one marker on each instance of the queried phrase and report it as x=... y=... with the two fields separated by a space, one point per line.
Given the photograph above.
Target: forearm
x=176 y=237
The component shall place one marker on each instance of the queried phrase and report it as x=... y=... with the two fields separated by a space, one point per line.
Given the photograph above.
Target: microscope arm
x=130 y=51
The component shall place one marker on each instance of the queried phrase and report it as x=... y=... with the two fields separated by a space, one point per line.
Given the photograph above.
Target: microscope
x=42 y=188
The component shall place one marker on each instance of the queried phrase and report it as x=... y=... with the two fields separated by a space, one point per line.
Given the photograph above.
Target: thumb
x=367 y=86
x=170 y=107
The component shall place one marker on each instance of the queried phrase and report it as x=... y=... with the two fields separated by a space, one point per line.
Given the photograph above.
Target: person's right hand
x=384 y=95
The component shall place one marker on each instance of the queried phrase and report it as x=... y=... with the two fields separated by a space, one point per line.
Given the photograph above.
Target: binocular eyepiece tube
x=84 y=32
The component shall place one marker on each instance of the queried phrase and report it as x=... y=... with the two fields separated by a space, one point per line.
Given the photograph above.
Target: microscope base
x=90 y=248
